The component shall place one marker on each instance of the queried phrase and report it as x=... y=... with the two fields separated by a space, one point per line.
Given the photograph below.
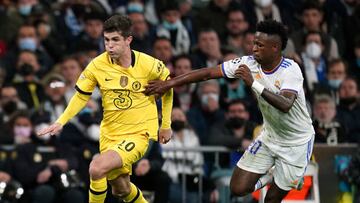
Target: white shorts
x=290 y=161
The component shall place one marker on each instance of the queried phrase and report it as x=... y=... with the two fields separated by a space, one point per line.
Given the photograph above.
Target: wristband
x=257 y=87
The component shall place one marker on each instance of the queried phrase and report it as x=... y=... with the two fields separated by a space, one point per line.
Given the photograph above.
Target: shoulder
x=290 y=65
x=144 y=59
x=99 y=61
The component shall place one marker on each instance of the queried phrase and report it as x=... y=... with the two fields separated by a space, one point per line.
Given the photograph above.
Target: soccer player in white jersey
x=286 y=141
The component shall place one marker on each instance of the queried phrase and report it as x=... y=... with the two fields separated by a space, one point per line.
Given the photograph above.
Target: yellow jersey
x=127 y=111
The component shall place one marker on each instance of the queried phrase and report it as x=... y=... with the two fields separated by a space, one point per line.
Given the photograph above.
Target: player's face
x=263 y=48
x=116 y=44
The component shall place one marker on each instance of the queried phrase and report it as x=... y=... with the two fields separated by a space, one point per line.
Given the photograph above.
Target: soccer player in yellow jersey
x=130 y=117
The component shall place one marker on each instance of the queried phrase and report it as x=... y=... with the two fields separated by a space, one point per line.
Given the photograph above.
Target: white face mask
x=93 y=132
x=41 y=126
x=205 y=98
x=263 y=3
x=313 y=50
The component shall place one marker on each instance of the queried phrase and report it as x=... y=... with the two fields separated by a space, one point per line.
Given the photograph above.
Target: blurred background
x=45 y=45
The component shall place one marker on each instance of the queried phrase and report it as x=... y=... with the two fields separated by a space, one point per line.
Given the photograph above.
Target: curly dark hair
x=272 y=27
x=118 y=23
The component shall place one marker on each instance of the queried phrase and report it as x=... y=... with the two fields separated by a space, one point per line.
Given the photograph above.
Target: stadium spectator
x=39 y=170
x=236 y=26
x=10 y=102
x=312 y=18
x=214 y=15
x=91 y=35
x=265 y=10
x=336 y=74
x=27 y=39
x=162 y=50
x=314 y=63
x=26 y=81
x=143 y=33
x=184 y=95
x=55 y=103
x=208 y=50
x=207 y=112
x=173 y=29
x=235 y=132
x=328 y=129
x=349 y=108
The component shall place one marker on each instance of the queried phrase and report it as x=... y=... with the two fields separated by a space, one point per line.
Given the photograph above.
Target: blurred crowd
x=45 y=45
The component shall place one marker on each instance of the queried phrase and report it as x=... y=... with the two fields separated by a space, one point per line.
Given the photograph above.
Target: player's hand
x=53 y=129
x=158 y=87
x=244 y=73
x=44 y=175
x=165 y=135
x=143 y=167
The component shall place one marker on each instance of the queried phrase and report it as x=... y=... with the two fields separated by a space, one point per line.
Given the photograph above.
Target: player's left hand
x=244 y=73
x=165 y=135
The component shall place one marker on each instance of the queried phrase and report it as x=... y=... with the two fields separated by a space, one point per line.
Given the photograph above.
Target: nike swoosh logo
x=108 y=79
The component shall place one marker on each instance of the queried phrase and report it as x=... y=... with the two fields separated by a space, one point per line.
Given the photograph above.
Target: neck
x=272 y=64
x=124 y=60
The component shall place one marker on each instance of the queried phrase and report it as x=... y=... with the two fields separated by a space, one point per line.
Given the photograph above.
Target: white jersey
x=286 y=129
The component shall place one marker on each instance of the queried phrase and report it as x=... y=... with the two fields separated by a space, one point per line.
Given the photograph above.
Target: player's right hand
x=53 y=129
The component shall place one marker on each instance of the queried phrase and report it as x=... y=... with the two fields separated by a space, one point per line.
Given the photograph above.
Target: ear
x=128 y=40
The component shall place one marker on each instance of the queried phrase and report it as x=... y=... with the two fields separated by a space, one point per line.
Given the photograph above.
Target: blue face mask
x=27 y=44
x=358 y=62
x=169 y=26
x=25 y=10
x=335 y=83
x=135 y=8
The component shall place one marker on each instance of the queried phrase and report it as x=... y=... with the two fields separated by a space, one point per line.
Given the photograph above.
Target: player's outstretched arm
x=160 y=87
x=77 y=102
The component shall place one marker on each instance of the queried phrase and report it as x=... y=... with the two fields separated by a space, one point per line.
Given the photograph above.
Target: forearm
x=196 y=76
x=77 y=102
x=167 y=102
x=278 y=101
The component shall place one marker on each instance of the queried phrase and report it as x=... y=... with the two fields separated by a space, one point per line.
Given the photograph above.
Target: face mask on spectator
x=170 y=26
x=40 y=126
x=313 y=50
x=22 y=131
x=263 y=3
x=235 y=123
x=93 y=132
x=135 y=7
x=26 y=69
x=25 y=10
x=177 y=125
x=10 y=107
x=27 y=44
x=335 y=83
x=205 y=98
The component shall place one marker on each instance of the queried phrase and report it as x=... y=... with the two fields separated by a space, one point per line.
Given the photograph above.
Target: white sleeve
x=293 y=80
x=228 y=67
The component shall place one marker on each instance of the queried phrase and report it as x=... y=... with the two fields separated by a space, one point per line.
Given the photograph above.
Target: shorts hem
x=250 y=169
